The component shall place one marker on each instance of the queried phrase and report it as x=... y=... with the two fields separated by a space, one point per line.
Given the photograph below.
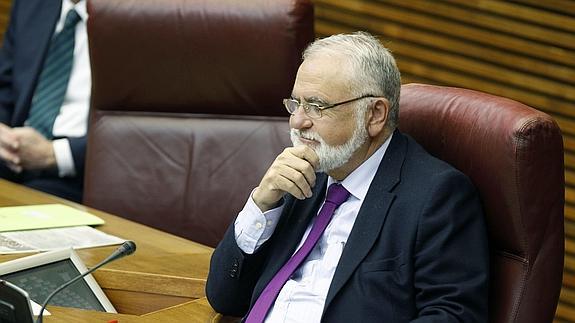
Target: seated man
x=356 y=222
x=45 y=86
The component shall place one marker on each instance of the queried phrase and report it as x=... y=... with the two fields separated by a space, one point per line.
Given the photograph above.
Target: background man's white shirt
x=72 y=121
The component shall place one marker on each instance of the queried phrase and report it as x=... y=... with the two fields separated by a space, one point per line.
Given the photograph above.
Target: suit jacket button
x=235 y=268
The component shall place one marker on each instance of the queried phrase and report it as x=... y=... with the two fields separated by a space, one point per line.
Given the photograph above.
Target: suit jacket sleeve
x=451 y=255
x=78 y=147
x=233 y=275
x=6 y=68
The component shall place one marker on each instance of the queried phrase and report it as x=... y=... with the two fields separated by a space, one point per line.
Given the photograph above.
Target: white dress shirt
x=303 y=296
x=72 y=121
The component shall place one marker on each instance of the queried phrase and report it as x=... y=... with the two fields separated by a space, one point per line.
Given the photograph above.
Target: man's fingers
x=292 y=172
x=295 y=176
x=15 y=168
x=9 y=143
x=306 y=153
x=293 y=159
x=300 y=165
x=8 y=138
x=3 y=128
x=9 y=156
x=286 y=185
x=304 y=167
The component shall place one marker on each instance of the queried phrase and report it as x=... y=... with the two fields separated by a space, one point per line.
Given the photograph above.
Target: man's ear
x=377 y=117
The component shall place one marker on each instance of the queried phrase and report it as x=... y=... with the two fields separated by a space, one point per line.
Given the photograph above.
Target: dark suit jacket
x=417 y=251
x=26 y=41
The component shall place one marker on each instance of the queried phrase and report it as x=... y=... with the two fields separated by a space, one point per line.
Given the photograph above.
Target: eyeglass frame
x=320 y=108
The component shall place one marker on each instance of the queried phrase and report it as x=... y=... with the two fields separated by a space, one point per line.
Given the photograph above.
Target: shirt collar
x=80 y=8
x=358 y=182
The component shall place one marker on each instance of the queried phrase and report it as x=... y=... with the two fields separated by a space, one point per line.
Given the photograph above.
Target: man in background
x=45 y=85
x=356 y=222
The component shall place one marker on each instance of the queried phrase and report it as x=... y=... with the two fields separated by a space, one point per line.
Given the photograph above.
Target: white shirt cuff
x=253 y=228
x=64 y=158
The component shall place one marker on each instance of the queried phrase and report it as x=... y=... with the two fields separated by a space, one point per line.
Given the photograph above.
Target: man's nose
x=300 y=120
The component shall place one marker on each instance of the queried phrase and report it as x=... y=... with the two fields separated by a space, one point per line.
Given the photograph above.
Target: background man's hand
x=293 y=172
x=9 y=148
x=25 y=148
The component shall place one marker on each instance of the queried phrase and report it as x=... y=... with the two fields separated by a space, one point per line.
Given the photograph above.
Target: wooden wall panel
x=522 y=49
x=4 y=15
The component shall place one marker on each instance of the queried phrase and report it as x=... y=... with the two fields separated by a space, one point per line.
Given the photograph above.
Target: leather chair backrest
x=514 y=155
x=187 y=106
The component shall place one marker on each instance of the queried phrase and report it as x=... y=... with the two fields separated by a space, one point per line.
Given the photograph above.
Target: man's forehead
x=320 y=78
x=326 y=64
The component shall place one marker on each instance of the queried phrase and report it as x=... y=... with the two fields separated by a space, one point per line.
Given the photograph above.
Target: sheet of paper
x=36 y=309
x=49 y=239
x=42 y=216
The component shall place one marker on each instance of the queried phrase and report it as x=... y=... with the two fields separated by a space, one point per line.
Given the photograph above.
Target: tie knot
x=336 y=194
x=72 y=18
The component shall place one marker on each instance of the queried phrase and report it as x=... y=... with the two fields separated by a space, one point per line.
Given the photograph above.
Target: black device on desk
x=14 y=304
x=40 y=274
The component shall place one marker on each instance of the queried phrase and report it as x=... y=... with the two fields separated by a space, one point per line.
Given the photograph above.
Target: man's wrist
x=263 y=206
x=63 y=157
x=50 y=161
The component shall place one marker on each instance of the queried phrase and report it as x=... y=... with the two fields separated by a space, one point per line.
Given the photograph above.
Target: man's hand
x=292 y=172
x=25 y=148
x=9 y=148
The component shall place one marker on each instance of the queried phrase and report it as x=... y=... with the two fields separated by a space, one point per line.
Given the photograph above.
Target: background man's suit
x=417 y=249
x=26 y=42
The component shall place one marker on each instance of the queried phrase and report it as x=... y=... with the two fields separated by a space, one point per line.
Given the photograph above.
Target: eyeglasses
x=313 y=110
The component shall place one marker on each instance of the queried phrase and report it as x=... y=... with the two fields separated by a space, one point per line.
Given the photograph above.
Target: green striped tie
x=53 y=80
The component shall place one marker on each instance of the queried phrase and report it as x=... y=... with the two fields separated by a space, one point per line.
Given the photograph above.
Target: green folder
x=15 y=218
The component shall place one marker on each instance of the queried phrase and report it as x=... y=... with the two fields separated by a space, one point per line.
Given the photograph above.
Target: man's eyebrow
x=310 y=99
x=315 y=99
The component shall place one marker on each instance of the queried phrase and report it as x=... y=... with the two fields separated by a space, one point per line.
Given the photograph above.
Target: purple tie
x=336 y=195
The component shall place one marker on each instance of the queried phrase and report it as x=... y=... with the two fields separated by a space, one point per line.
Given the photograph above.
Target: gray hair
x=375 y=71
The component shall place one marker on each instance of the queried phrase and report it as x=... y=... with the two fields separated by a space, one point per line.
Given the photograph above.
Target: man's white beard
x=333 y=157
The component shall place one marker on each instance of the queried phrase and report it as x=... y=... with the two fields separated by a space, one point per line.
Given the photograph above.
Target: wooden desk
x=162 y=282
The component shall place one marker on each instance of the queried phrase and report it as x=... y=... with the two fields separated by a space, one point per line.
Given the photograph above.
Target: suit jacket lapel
x=43 y=19
x=299 y=215
x=371 y=216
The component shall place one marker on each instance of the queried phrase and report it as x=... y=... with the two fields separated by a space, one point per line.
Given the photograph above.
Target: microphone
x=127 y=248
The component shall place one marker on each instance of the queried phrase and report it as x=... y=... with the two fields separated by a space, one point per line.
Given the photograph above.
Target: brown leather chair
x=514 y=155
x=187 y=106
x=187 y=116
